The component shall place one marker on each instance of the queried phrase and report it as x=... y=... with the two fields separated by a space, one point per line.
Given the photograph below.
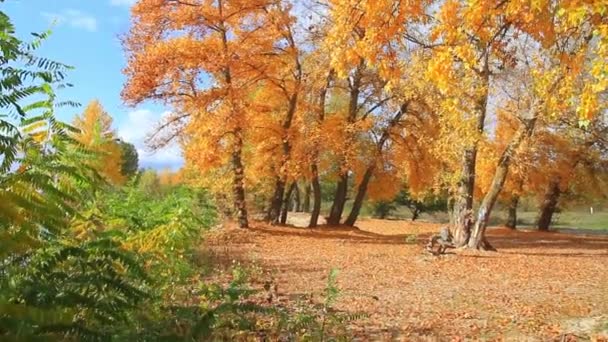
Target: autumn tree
x=561 y=159
x=279 y=92
x=387 y=94
x=474 y=48
x=371 y=94
x=319 y=96
x=567 y=160
x=559 y=75
x=96 y=134
x=315 y=136
x=200 y=57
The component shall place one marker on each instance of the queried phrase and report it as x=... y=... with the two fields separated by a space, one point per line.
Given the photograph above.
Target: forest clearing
x=540 y=286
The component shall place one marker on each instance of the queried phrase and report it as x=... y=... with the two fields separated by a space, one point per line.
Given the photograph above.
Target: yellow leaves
x=96 y=134
x=467 y=54
x=440 y=70
x=337 y=139
x=599 y=71
x=476 y=13
x=588 y=104
x=574 y=14
x=168 y=177
x=111 y=159
x=370 y=30
x=156 y=240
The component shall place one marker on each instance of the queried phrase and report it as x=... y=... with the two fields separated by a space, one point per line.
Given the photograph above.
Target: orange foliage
x=245 y=78
x=97 y=135
x=168 y=177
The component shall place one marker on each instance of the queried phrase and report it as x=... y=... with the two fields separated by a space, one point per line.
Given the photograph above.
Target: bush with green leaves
x=164 y=228
x=51 y=284
x=55 y=284
x=86 y=290
x=37 y=156
x=123 y=268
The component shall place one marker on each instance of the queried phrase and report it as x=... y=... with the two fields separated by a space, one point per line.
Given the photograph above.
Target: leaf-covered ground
x=538 y=286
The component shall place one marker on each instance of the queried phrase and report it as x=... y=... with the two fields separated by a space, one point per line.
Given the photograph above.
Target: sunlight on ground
x=537 y=286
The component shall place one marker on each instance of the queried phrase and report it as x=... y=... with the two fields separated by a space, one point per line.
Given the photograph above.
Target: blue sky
x=86 y=35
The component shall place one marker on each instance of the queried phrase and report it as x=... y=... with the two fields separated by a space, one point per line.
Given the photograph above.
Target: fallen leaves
x=530 y=289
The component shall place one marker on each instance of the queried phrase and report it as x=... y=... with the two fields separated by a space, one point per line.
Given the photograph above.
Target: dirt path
x=538 y=286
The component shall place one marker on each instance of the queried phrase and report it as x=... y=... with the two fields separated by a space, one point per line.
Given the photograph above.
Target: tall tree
x=201 y=57
x=368 y=51
x=287 y=80
x=319 y=108
x=484 y=40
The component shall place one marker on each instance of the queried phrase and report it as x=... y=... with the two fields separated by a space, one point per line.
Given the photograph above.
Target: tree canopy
x=448 y=96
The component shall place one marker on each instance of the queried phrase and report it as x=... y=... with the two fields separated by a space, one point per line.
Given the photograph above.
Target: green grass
x=574 y=219
x=569 y=219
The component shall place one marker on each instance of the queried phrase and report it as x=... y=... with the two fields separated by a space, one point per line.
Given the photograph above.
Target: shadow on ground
x=505 y=240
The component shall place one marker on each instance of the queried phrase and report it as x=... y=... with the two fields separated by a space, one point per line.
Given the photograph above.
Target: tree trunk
x=306 y=205
x=415 y=213
x=286 y=147
x=514 y=204
x=337 y=207
x=298 y=202
x=361 y=191
x=238 y=183
x=277 y=201
x=463 y=205
x=477 y=239
x=316 y=185
x=551 y=198
x=280 y=183
x=286 y=203
x=316 y=191
x=237 y=148
x=549 y=205
x=383 y=214
x=512 y=212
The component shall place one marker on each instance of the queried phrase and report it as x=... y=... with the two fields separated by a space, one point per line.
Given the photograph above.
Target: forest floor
x=538 y=286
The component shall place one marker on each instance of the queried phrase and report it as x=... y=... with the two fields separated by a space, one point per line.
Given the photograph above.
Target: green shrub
x=86 y=290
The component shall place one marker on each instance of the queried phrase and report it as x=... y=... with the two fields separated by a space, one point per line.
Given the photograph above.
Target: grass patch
x=573 y=219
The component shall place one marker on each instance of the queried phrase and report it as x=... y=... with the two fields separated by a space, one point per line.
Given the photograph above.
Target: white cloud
x=135 y=129
x=74 y=18
x=127 y=3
